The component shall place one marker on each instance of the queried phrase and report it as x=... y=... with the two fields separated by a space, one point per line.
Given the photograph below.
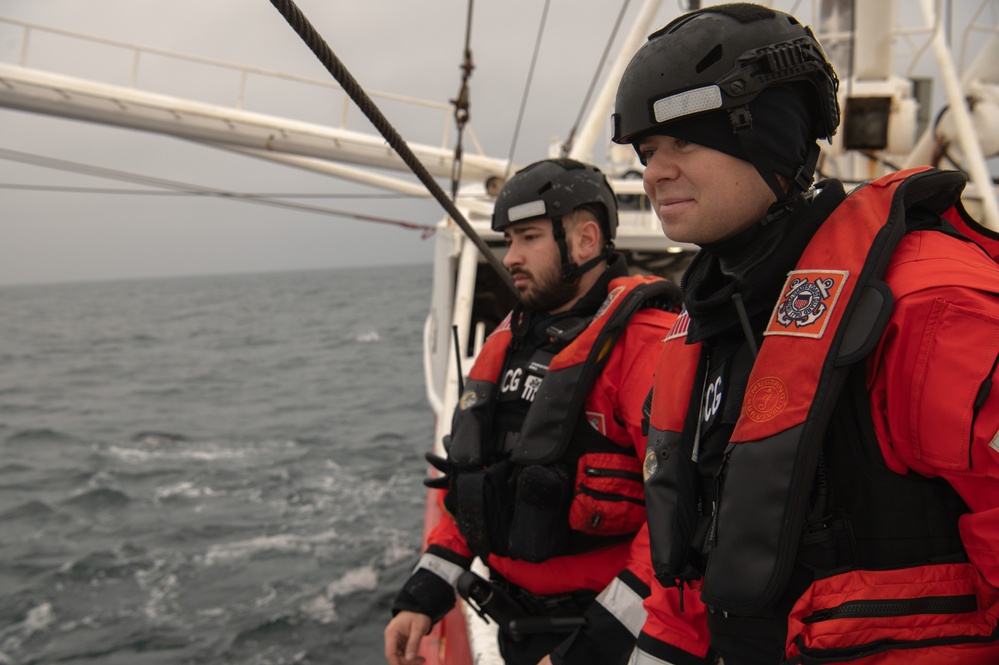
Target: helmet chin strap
x=570 y=271
x=795 y=191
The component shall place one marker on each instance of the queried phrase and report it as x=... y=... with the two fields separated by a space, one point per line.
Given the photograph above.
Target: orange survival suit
x=551 y=499
x=834 y=493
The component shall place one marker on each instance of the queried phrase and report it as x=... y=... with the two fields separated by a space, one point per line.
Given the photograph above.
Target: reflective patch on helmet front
x=686 y=103
x=525 y=210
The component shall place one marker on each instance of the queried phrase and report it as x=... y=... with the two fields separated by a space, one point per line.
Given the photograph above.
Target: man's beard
x=549 y=291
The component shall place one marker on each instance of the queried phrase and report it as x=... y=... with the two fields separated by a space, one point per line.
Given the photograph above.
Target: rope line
x=461 y=106
x=527 y=89
x=301 y=25
x=567 y=145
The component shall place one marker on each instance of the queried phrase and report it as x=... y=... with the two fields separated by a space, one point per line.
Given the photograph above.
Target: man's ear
x=587 y=241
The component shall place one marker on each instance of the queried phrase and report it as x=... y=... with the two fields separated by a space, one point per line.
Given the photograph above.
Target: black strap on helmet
x=742 y=124
x=570 y=271
x=800 y=182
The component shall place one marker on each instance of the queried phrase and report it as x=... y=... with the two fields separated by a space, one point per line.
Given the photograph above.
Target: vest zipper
x=612 y=473
x=983 y=394
x=895 y=608
x=605 y=496
x=712 y=537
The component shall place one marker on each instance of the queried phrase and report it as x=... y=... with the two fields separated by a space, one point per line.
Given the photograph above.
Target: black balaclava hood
x=781 y=121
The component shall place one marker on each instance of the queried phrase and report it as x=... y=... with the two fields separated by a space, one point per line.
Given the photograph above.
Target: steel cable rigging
x=177 y=187
x=301 y=25
x=527 y=89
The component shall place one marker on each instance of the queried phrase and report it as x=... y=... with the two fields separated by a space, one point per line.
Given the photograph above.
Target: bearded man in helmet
x=544 y=471
x=822 y=466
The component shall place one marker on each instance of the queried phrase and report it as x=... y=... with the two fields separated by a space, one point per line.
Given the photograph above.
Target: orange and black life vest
x=511 y=495
x=831 y=315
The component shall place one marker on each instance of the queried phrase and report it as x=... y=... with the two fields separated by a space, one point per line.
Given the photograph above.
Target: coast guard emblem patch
x=611 y=297
x=597 y=422
x=806 y=301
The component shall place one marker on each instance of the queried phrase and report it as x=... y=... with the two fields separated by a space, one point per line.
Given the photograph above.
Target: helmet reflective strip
x=525 y=210
x=685 y=103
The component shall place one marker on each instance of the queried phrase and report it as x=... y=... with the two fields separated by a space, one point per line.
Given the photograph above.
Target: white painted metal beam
x=35 y=91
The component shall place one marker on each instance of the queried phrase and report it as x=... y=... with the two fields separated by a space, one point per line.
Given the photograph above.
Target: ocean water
x=210 y=469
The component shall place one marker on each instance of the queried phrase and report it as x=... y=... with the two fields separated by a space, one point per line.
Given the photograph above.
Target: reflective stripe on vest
x=624 y=604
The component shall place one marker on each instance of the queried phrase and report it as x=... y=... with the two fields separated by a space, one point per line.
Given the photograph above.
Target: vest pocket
x=482 y=505
x=539 y=530
x=947 y=609
x=958 y=350
x=609 y=495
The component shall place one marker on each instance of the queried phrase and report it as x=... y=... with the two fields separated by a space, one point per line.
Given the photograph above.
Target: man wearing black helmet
x=822 y=466
x=543 y=474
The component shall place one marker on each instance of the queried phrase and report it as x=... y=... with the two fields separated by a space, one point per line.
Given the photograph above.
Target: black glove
x=443 y=481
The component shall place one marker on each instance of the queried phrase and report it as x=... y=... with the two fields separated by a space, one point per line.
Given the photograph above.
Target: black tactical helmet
x=713 y=63
x=551 y=189
x=721 y=57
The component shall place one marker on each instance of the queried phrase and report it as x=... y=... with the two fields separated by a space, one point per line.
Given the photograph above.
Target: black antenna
x=457 y=359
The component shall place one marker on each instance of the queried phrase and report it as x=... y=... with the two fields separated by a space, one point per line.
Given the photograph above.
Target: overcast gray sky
x=405 y=47
x=409 y=47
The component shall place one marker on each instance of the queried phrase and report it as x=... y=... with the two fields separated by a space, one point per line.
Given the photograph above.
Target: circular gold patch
x=468 y=400
x=651 y=464
x=765 y=399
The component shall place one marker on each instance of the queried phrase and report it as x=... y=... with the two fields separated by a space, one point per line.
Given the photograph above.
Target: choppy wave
x=31 y=510
x=299 y=544
x=99 y=499
x=158 y=438
x=210 y=470
x=42 y=436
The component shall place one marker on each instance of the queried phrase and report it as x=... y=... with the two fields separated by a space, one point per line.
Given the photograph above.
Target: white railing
x=243 y=74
